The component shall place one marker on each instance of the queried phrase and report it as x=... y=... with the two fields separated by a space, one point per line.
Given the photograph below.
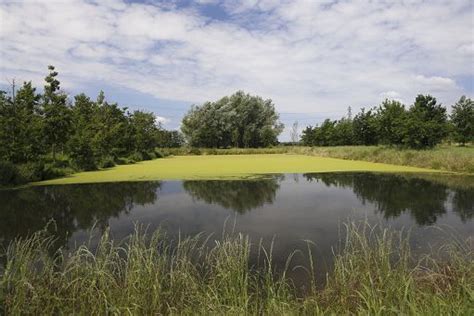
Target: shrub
x=159 y=153
x=50 y=171
x=31 y=171
x=122 y=161
x=136 y=156
x=107 y=162
x=8 y=173
x=149 y=155
x=194 y=151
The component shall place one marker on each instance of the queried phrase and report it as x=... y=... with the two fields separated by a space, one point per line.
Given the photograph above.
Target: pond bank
x=227 y=167
x=374 y=273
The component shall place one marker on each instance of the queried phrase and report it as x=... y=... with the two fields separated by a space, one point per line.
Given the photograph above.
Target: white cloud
x=308 y=56
x=161 y=119
x=391 y=95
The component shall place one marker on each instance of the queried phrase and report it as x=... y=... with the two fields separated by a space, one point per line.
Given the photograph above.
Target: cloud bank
x=310 y=57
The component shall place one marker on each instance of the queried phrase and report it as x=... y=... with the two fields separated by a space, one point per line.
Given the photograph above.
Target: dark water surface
x=291 y=208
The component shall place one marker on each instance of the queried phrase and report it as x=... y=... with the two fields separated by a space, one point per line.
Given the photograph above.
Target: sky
x=313 y=58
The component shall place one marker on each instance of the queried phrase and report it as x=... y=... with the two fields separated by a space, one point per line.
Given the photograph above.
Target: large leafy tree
x=20 y=134
x=143 y=129
x=391 y=116
x=56 y=113
x=462 y=118
x=240 y=120
x=365 y=128
x=81 y=143
x=112 y=137
x=426 y=123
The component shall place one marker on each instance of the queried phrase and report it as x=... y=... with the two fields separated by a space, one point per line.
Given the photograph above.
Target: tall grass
x=447 y=158
x=374 y=273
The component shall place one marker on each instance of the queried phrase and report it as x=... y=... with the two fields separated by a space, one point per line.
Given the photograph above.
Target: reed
x=374 y=273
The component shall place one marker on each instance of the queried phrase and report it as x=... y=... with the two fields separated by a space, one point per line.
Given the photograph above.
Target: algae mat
x=225 y=167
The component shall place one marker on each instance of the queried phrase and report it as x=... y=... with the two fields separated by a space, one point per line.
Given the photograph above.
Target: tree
x=462 y=118
x=113 y=134
x=426 y=123
x=294 y=135
x=365 y=128
x=20 y=134
x=169 y=139
x=81 y=142
x=308 y=136
x=391 y=116
x=143 y=128
x=56 y=113
x=343 y=133
x=240 y=120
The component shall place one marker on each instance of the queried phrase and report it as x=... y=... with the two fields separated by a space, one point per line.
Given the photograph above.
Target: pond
x=289 y=208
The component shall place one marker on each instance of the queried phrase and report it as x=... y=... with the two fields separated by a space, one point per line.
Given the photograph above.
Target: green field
x=226 y=167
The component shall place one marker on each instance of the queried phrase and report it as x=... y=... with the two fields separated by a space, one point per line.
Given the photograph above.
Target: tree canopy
x=462 y=118
x=87 y=133
x=239 y=120
x=423 y=125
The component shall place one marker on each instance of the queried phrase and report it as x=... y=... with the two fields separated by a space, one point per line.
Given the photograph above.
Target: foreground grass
x=226 y=167
x=374 y=273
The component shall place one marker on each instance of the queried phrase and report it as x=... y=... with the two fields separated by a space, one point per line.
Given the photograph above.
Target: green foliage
x=31 y=171
x=365 y=128
x=240 y=120
x=391 y=117
x=83 y=133
x=20 y=125
x=143 y=131
x=107 y=162
x=56 y=114
x=169 y=139
x=8 y=173
x=426 y=124
x=462 y=118
x=374 y=273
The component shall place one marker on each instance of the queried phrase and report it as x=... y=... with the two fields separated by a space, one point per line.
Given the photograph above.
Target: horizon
x=314 y=60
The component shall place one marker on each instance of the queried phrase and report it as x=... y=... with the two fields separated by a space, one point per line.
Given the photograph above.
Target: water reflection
x=238 y=195
x=393 y=195
x=70 y=207
x=284 y=203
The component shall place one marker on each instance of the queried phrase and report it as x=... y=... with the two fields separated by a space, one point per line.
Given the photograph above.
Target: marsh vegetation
x=374 y=272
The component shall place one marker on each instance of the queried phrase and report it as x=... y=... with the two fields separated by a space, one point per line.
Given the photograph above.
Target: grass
x=226 y=166
x=445 y=157
x=374 y=273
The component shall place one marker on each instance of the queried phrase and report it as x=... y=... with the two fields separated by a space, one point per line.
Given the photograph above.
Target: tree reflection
x=463 y=203
x=70 y=207
x=395 y=194
x=238 y=195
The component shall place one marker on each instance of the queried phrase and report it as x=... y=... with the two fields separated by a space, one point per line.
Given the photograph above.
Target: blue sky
x=314 y=59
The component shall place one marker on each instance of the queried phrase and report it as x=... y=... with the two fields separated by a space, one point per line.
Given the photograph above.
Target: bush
x=194 y=151
x=122 y=161
x=136 y=156
x=107 y=162
x=9 y=174
x=31 y=171
x=149 y=155
x=159 y=153
x=50 y=171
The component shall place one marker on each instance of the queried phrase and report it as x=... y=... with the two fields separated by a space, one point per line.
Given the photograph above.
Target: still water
x=290 y=208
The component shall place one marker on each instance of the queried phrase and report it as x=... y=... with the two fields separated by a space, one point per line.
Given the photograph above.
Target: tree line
x=43 y=134
x=422 y=125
